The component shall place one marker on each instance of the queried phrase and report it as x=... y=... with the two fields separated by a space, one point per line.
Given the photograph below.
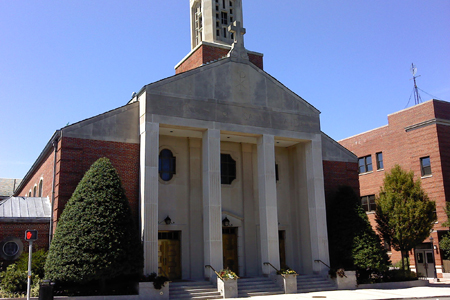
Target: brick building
x=221 y=163
x=418 y=139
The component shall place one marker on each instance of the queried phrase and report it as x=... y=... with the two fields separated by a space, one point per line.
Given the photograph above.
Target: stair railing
x=218 y=275
x=319 y=261
x=268 y=263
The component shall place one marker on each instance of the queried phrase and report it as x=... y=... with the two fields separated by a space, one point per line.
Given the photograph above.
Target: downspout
x=55 y=150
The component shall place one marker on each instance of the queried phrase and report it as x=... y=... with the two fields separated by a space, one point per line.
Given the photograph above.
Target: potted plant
x=287 y=279
x=154 y=287
x=227 y=283
x=345 y=280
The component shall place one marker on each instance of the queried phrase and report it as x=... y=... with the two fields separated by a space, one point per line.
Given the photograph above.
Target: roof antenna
x=416 y=91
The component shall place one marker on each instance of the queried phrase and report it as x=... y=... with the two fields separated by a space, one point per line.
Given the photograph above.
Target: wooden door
x=169 y=254
x=230 y=249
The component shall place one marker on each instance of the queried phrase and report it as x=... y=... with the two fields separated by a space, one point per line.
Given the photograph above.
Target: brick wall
x=208 y=53
x=405 y=146
x=44 y=172
x=15 y=229
x=336 y=173
x=75 y=156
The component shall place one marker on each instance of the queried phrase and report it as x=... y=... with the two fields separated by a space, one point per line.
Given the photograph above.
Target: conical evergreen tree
x=95 y=238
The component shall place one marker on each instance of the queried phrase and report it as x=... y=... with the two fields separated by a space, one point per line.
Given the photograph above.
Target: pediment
x=233 y=92
x=239 y=83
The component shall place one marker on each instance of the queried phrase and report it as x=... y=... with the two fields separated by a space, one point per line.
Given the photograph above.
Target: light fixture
x=166 y=221
x=226 y=222
x=435 y=247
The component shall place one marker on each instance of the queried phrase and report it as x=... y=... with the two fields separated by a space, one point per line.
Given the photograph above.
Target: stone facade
x=411 y=134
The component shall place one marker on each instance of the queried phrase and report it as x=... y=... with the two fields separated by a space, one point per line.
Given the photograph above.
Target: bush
x=96 y=239
x=14 y=283
x=37 y=262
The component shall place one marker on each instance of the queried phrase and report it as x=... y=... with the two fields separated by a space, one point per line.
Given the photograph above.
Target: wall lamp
x=167 y=221
x=226 y=222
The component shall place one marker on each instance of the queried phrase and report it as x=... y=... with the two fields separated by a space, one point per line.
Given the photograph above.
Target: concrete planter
x=148 y=291
x=288 y=282
x=227 y=287
x=347 y=282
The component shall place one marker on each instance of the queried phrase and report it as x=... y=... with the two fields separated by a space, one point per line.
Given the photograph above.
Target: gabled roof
x=7 y=186
x=16 y=209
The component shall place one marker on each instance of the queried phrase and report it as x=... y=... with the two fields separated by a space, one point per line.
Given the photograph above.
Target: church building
x=223 y=165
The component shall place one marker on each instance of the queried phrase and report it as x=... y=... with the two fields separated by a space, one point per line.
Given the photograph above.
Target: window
x=368 y=203
x=34 y=191
x=227 y=169
x=40 y=188
x=224 y=16
x=10 y=248
x=167 y=164
x=425 y=166
x=365 y=164
x=380 y=164
x=198 y=19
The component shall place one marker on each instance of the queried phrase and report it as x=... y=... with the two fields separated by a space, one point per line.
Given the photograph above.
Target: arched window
x=167 y=164
x=40 y=188
x=34 y=191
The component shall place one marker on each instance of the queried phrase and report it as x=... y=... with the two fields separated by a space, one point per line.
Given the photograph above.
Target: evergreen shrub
x=96 y=239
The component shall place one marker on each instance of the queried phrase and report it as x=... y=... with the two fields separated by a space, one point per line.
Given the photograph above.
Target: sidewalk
x=440 y=290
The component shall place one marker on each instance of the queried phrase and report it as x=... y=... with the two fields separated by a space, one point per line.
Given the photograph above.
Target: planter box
x=288 y=282
x=348 y=282
x=227 y=288
x=394 y=285
x=148 y=291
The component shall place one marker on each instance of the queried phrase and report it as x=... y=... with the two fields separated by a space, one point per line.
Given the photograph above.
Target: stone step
x=193 y=290
x=313 y=283
x=261 y=286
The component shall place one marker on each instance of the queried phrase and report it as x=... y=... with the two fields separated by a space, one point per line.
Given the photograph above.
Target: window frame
x=226 y=160
x=425 y=171
x=366 y=165
x=380 y=162
x=172 y=165
x=370 y=205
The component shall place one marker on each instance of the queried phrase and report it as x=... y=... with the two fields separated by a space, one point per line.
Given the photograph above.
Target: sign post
x=30 y=236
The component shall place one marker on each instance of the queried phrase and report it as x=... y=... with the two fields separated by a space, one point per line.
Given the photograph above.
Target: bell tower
x=210 y=20
x=216 y=33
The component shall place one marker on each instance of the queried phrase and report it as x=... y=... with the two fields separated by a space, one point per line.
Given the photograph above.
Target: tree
x=96 y=238
x=404 y=214
x=444 y=243
x=352 y=241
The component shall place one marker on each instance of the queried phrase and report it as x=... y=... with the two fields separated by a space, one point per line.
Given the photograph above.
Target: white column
x=316 y=204
x=149 y=194
x=267 y=193
x=212 y=203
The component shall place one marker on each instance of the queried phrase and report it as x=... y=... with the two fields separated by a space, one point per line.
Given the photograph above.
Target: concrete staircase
x=193 y=290
x=313 y=283
x=260 y=286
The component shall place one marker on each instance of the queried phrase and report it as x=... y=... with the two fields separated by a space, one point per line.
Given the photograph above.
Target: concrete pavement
x=434 y=291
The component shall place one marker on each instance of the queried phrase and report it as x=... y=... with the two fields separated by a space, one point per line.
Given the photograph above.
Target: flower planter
x=347 y=282
x=227 y=287
x=148 y=291
x=288 y=282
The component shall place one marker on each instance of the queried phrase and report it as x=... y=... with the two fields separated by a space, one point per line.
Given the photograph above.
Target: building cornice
x=428 y=123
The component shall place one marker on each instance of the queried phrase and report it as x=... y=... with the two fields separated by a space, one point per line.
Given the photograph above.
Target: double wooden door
x=169 y=254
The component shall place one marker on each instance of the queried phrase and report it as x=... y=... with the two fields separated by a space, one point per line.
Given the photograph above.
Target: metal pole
x=30 y=252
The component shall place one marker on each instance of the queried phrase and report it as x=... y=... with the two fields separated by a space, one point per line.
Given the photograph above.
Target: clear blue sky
x=65 y=61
